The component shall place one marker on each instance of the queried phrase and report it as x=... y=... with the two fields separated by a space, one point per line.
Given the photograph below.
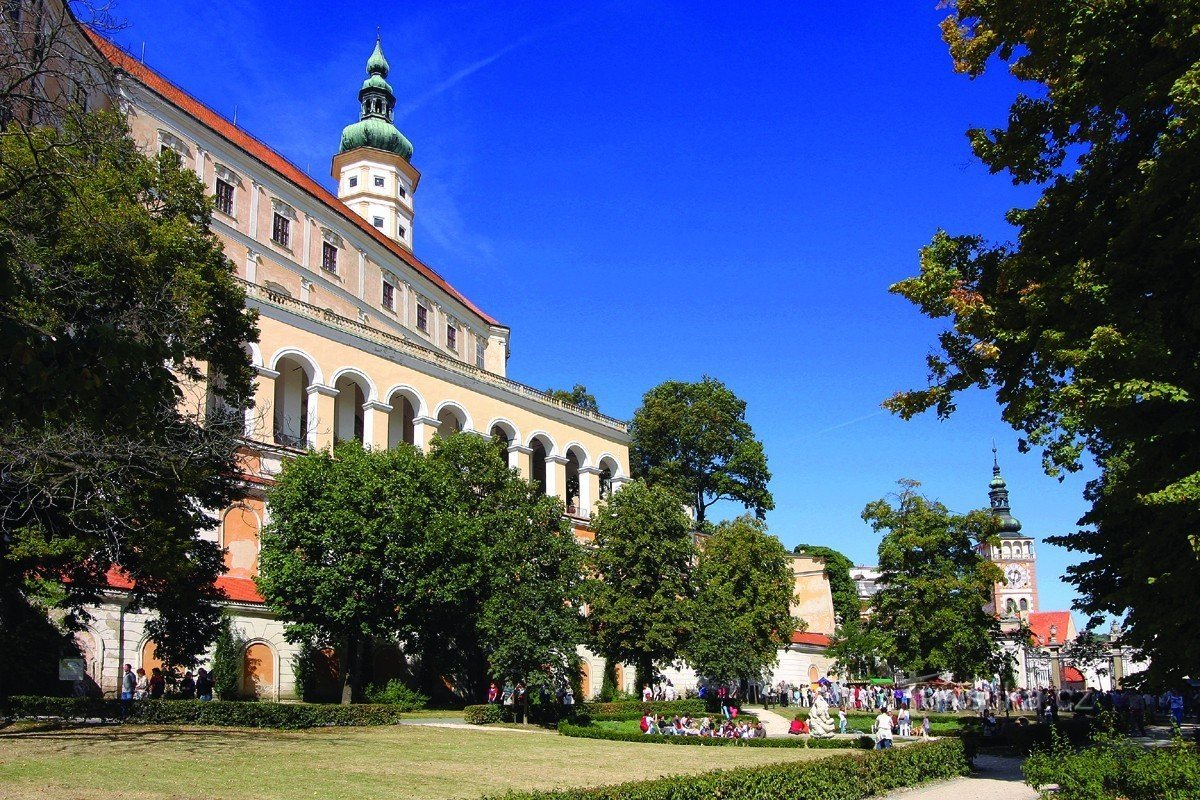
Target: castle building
x=359 y=339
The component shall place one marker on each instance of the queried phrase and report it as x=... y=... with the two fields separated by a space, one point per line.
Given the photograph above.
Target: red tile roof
x=238 y=590
x=256 y=149
x=814 y=639
x=1040 y=622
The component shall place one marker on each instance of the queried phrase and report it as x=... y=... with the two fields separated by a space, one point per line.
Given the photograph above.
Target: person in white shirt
x=904 y=720
x=883 y=731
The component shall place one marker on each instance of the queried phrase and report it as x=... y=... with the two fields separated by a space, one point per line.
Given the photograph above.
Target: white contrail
x=847 y=423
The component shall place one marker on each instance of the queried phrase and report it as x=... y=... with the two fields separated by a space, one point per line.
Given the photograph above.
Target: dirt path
x=994 y=779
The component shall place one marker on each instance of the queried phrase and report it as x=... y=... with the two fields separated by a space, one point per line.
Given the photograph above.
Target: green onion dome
x=377 y=102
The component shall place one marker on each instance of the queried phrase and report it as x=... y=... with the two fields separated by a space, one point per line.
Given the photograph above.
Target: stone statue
x=820 y=724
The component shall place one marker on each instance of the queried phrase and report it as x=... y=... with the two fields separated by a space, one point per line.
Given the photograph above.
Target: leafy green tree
x=116 y=303
x=1086 y=326
x=341 y=558
x=694 y=439
x=578 y=396
x=859 y=650
x=741 y=616
x=640 y=577
x=450 y=554
x=929 y=612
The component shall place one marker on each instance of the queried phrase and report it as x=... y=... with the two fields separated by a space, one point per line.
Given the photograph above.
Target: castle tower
x=372 y=167
x=1014 y=554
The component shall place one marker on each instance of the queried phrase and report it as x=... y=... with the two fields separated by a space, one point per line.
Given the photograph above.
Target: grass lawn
x=154 y=761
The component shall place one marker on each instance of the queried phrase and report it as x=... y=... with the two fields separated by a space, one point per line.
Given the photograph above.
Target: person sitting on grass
x=649 y=724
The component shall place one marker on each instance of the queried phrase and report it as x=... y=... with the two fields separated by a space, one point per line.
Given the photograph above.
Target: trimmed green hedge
x=482 y=714
x=197 y=712
x=852 y=776
x=633 y=709
x=608 y=734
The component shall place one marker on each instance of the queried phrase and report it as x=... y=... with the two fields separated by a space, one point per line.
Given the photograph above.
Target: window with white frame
x=401 y=231
x=224 y=197
x=379 y=180
x=329 y=253
x=377 y=222
x=353 y=181
x=480 y=351
x=281 y=230
x=451 y=336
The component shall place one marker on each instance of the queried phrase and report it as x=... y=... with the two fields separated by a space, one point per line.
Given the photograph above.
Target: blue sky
x=646 y=192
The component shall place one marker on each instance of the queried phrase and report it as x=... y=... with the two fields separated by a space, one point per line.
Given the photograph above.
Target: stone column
x=619 y=483
x=519 y=459
x=424 y=429
x=260 y=420
x=321 y=416
x=556 y=477
x=589 y=489
x=375 y=424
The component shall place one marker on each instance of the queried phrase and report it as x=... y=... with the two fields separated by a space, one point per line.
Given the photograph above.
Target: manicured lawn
x=126 y=762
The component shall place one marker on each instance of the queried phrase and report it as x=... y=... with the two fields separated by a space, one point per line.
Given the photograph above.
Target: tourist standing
x=187 y=686
x=141 y=689
x=157 y=684
x=883 y=731
x=204 y=685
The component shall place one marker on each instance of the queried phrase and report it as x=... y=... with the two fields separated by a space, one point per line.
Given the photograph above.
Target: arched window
x=585 y=681
x=1011 y=606
x=290 y=412
x=1024 y=604
x=502 y=438
x=402 y=419
x=451 y=420
x=572 y=481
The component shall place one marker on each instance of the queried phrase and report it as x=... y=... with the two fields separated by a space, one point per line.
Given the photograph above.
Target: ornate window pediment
x=331 y=236
x=283 y=209
x=173 y=142
x=226 y=174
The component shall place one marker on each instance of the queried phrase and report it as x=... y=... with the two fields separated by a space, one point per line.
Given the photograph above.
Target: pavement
x=994 y=778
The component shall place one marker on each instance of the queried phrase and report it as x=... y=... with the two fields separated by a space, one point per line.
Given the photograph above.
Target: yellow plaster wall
x=814 y=599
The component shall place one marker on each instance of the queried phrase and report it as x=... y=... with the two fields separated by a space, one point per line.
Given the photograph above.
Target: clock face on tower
x=1017 y=577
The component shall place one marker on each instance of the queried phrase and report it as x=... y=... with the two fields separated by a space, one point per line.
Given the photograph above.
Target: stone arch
x=255 y=352
x=1006 y=548
x=260 y=670
x=814 y=674
x=541 y=447
x=407 y=404
x=505 y=434
x=585 y=680
x=577 y=459
x=609 y=468
x=290 y=409
x=241 y=526
x=301 y=357
x=148 y=655
x=452 y=418
x=354 y=390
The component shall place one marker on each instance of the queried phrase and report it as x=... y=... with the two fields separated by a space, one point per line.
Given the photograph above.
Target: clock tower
x=1014 y=554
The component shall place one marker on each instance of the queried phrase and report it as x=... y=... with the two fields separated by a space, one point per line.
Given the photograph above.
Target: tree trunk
x=645 y=674
x=352 y=671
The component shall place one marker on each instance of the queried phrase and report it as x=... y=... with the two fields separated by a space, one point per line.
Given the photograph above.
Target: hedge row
x=482 y=715
x=632 y=709
x=846 y=777
x=608 y=734
x=197 y=712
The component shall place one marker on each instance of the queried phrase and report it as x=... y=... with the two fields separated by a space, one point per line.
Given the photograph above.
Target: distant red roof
x=239 y=590
x=1040 y=622
x=253 y=147
x=812 y=639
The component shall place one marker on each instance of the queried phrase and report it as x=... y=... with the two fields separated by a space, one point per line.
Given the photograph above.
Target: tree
x=578 y=396
x=640 y=577
x=741 y=616
x=694 y=439
x=449 y=554
x=1086 y=326
x=1087 y=652
x=116 y=304
x=929 y=612
x=227 y=661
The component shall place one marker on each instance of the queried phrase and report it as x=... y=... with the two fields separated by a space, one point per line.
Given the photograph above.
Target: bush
x=482 y=715
x=198 y=712
x=227 y=662
x=608 y=734
x=846 y=777
x=633 y=709
x=1115 y=767
x=396 y=693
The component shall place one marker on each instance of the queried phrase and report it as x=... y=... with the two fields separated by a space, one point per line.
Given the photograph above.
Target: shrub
x=227 y=662
x=845 y=777
x=1115 y=767
x=631 y=709
x=396 y=693
x=608 y=734
x=482 y=715
x=197 y=712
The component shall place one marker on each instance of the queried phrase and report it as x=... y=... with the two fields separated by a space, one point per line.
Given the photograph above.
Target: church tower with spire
x=372 y=166
x=1014 y=554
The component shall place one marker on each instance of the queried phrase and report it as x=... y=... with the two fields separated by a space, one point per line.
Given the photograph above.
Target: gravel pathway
x=994 y=779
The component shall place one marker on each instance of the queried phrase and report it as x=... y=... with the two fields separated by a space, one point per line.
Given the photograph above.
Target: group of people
x=140 y=686
x=683 y=725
